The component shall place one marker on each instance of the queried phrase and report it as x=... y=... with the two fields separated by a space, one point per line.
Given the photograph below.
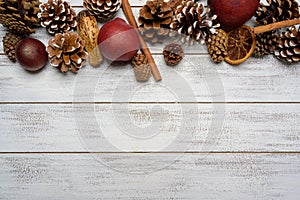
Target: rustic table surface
x=206 y=131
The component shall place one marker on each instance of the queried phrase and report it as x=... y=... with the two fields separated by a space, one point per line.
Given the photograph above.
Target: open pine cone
x=276 y=10
x=19 y=16
x=288 y=48
x=155 y=19
x=265 y=43
x=57 y=16
x=66 y=52
x=193 y=23
x=102 y=9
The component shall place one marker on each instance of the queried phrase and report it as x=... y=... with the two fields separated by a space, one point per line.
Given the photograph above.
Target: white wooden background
x=222 y=132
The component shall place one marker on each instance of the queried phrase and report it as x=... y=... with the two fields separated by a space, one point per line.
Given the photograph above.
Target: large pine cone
x=265 y=43
x=289 y=45
x=66 y=52
x=193 y=23
x=57 y=16
x=276 y=10
x=102 y=9
x=155 y=19
x=19 y=16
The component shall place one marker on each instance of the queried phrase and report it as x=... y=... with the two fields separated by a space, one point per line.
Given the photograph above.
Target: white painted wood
x=196 y=79
x=63 y=134
x=137 y=176
x=150 y=127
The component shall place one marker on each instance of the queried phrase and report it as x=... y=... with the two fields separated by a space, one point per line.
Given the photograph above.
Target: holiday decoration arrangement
x=75 y=38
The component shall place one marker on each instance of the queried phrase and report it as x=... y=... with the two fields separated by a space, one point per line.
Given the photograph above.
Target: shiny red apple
x=118 y=41
x=233 y=13
x=31 y=54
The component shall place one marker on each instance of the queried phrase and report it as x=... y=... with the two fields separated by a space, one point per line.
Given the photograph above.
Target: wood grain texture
x=196 y=79
x=253 y=153
x=150 y=176
x=150 y=127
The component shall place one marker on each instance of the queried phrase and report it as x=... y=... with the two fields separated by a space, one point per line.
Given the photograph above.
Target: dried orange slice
x=241 y=44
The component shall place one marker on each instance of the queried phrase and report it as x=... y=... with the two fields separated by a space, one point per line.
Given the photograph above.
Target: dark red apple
x=118 y=41
x=31 y=54
x=233 y=13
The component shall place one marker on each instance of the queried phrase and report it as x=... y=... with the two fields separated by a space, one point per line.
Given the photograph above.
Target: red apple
x=118 y=41
x=233 y=13
x=31 y=54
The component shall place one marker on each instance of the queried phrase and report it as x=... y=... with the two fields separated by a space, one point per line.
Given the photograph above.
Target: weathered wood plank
x=150 y=127
x=150 y=176
x=196 y=79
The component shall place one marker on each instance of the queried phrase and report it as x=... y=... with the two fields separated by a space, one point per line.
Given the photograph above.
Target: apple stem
x=130 y=17
x=276 y=25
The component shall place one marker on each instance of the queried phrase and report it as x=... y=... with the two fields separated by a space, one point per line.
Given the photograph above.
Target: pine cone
x=10 y=42
x=173 y=54
x=57 y=16
x=155 y=19
x=265 y=43
x=19 y=16
x=193 y=23
x=288 y=48
x=217 y=45
x=66 y=52
x=102 y=9
x=276 y=10
x=142 y=71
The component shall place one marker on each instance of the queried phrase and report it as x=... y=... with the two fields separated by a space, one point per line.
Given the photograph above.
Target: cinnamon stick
x=276 y=25
x=131 y=19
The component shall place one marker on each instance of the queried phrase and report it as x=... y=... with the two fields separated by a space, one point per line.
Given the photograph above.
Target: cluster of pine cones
x=65 y=49
x=193 y=23
x=185 y=20
x=285 y=45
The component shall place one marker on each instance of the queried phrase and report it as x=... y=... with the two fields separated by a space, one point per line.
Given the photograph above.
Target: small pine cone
x=276 y=10
x=102 y=9
x=265 y=43
x=57 y=16
x=19 y=16
x=10 y=42
x=193 y=23
x=66 y=52
x=142 y=70
x=155 y=19
x=173 y=54
x=217 y=46
x=288 y=48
